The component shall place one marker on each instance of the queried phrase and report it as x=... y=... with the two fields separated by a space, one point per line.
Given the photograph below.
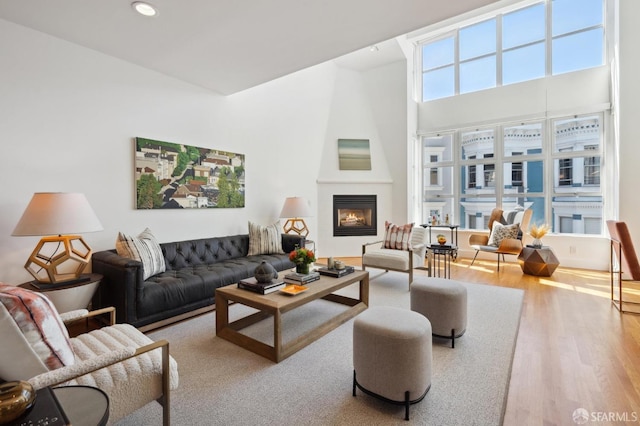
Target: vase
x=537 y=243
x=302 y=268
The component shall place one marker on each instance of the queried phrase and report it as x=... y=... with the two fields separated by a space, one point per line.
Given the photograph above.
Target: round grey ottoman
x=444 y=303
x=392 y=355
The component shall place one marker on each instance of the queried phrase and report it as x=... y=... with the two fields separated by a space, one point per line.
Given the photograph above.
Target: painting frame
x=171 y=175
x=354 y=154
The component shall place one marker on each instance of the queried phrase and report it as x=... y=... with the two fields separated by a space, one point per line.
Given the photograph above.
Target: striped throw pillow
x=265 y=239
x=397 y=237
x=143 y=248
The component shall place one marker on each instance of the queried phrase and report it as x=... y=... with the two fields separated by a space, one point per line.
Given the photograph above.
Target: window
x=577 y=35
x=438 y=65
x=567 y=150
x=514 y=47
x=489 y=172
x=565 y=172
x=523 y=44
x=478 y=56
x=591 y=168
x=516 y=174
x=472 y=177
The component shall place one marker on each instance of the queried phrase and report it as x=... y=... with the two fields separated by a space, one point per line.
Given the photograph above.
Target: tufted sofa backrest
x=181 y=254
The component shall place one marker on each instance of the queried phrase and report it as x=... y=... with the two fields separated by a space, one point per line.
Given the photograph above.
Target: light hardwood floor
x=574 y=349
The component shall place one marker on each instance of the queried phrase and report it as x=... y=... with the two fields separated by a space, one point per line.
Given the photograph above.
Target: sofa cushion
x=264 y=239
x=40 y=326
x=397 y=237
x=500 y=232
x=143 y=248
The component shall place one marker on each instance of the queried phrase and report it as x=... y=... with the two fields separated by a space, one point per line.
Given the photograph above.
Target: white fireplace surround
x=327 y=244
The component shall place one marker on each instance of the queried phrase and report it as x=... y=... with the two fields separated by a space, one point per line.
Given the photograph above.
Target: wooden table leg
x=222 y=312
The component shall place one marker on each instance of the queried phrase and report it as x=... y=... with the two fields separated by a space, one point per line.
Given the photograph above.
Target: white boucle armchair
x=129 y=367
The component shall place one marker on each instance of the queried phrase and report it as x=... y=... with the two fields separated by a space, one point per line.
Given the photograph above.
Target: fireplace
x=354 y=215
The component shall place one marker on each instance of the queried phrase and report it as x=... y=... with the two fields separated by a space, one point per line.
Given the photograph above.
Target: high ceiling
x=231 y=45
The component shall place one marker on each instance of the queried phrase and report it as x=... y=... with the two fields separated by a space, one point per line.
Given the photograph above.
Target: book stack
x=302 y=279
x=252 y=284
x=336 y=273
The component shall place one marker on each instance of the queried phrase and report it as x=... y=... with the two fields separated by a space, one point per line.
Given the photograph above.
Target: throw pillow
x=265 y=239
x=397 y=237
x=40 y=324
x=143 y=248
x=499 y=232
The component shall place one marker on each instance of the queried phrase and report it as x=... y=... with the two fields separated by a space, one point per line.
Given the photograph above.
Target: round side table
x=83 y=405
x=541 y=262
x=68 y=297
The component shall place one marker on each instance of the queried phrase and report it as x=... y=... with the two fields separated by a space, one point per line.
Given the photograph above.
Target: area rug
x=223 y=384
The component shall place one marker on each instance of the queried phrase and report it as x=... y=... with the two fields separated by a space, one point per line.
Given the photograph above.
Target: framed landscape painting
x=175 y=176
x=353 y=154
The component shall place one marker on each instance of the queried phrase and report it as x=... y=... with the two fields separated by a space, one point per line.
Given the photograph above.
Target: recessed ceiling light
x=373 y=48
x=144 y=8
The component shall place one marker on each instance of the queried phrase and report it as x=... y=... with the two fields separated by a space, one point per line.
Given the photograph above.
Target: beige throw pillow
x=499 y=232
x=143 y=248
x=265 y=239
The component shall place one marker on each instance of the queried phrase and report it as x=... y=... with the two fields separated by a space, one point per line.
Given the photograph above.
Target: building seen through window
x=574 y=198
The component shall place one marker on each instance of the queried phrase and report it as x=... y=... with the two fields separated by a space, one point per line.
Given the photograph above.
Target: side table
x=69 y=297
x=83 y=405
x=541 y=262
x=442 y=255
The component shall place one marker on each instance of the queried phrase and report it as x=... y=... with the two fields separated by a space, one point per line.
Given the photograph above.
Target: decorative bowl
x=15 y=398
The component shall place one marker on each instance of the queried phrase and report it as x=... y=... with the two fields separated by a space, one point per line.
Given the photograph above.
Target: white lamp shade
x=295 y=207
x=57 y=213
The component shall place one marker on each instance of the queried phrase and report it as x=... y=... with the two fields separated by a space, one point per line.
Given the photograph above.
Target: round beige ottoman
x=444 y=303
x=392 y=355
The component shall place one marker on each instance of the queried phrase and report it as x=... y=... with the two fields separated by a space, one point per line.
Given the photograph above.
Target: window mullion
x=499 y=50
x=456 y=55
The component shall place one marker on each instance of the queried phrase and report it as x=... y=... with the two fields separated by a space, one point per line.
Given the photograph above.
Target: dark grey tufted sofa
x=195 y=268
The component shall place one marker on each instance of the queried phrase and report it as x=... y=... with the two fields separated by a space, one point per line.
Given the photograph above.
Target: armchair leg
x=474 y=257
x=166 y=406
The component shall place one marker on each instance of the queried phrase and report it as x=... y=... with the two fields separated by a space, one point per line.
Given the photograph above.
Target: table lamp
x=294 y=209
x=61 y=255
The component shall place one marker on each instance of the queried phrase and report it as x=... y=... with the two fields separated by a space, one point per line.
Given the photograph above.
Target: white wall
x=370 y=105
x=629 y=118
x=68 y=116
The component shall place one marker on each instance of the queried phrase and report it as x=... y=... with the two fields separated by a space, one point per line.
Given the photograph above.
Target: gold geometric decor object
x=294 y=209
x=62 y=254
x=44 y=268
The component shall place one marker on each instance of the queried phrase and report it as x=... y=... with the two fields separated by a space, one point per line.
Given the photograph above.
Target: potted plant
x=302 y=258
x=537 y=232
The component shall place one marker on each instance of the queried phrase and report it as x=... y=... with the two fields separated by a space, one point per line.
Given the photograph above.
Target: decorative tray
x=293 y=289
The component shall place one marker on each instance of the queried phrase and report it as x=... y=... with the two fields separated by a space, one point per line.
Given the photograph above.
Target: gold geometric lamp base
x=60 y=266
x=296 y=225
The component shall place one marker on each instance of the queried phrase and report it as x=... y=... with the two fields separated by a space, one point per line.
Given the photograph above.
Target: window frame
x=499 y=53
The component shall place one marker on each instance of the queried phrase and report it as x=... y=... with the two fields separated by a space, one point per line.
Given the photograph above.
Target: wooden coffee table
x=276 y=304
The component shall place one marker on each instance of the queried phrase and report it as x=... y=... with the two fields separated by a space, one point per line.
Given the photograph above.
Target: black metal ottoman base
x=407 y=398
x=453 y=336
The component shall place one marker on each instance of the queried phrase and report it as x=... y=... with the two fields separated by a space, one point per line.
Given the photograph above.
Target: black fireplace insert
x=354 y=215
